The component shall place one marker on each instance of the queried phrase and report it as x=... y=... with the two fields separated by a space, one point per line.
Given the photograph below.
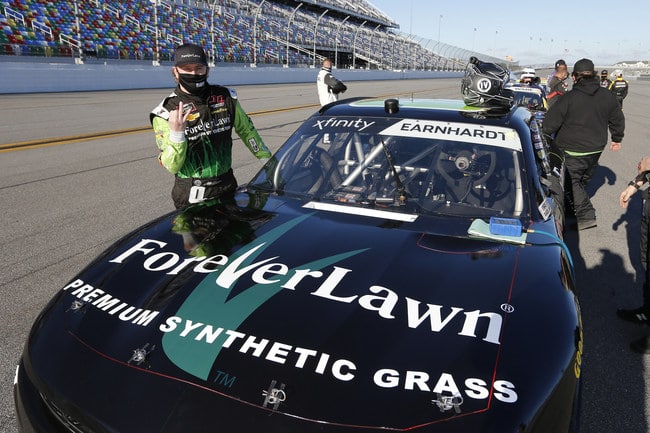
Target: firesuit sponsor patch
x=216 y=101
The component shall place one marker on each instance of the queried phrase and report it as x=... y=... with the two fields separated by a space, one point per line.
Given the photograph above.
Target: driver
x=529 y=78
x=193 y=128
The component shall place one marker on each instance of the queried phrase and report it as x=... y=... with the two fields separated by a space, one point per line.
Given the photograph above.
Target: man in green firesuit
x=193 y=128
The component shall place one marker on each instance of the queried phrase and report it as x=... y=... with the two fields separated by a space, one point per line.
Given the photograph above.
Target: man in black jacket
x=619 y=87
x=579 y=122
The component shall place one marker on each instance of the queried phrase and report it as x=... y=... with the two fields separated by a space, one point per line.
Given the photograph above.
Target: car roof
x=439 y=109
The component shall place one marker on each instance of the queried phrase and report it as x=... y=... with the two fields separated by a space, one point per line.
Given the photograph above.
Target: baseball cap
x=560 y=62
x=189 y=54
x=583 y=65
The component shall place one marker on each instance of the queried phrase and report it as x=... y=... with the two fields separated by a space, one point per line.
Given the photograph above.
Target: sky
x=532 y=33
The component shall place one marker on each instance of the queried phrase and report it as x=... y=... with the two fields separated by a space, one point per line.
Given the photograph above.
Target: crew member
x=619 y=87
x=580 y=122
x=558 y=83
x=329 y=87
x=604 y=79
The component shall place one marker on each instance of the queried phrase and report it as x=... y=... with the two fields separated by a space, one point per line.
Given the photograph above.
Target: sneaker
x=586 y=224
x=637 y=315
x=642 y=346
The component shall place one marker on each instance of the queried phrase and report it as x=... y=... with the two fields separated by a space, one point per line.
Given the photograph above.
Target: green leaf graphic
x=208 y=305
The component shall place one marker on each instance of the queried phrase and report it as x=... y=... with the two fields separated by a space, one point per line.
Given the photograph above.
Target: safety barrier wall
x=41 y=76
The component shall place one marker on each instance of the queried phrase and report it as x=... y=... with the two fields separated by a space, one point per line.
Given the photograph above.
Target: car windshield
x=401 y=165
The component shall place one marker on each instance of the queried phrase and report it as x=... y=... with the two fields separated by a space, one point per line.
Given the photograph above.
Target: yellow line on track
x=56 y=141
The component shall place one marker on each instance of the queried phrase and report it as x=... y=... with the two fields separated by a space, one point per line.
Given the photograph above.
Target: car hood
x=345 y=320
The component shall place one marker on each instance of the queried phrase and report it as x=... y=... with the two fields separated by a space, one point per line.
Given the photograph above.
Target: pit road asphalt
x=78 y=171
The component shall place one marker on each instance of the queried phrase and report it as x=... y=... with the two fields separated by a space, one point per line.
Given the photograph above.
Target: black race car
x=531 y=97
x=396 y=266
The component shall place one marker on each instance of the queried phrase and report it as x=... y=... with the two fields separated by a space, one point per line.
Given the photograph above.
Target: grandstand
x=290 y=33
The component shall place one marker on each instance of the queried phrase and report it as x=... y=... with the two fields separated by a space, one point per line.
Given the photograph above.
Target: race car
x=397 y=265
x=531 y=97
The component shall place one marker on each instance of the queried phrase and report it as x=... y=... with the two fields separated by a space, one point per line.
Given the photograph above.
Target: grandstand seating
x=240 y=31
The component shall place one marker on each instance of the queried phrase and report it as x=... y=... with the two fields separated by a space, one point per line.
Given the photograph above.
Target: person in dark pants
x=193 y=128
x=579 y=123
x=620 y=88
x=640 y=315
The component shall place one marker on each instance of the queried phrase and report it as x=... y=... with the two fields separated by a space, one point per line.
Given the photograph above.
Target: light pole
x=392 y=55
x=213 y=50
x=289 y=24
x=336 y=42
x=259 y=9
x=354 y=46
x=316 y=33
x=156 y=54
x=78 y=60
x=413 y=49
x=439 y=25
x=370 y=43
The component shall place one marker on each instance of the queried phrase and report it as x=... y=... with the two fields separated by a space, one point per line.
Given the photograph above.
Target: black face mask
x=193 y=84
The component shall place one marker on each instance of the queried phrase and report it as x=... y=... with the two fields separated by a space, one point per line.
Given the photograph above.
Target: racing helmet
x=527 y=75
x=527 y=78
x=604 y=73
x=483 y=84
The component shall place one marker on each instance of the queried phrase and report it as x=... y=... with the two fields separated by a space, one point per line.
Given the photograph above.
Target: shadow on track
x=612 y=375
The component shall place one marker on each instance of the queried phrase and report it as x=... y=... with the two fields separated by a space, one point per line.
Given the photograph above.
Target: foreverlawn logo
x=208 y=302
x=208 y=319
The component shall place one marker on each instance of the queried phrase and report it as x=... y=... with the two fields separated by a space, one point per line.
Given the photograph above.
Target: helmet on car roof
x=482 y=85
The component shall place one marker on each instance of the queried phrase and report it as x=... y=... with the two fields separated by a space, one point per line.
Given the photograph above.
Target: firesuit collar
x=192 y=83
